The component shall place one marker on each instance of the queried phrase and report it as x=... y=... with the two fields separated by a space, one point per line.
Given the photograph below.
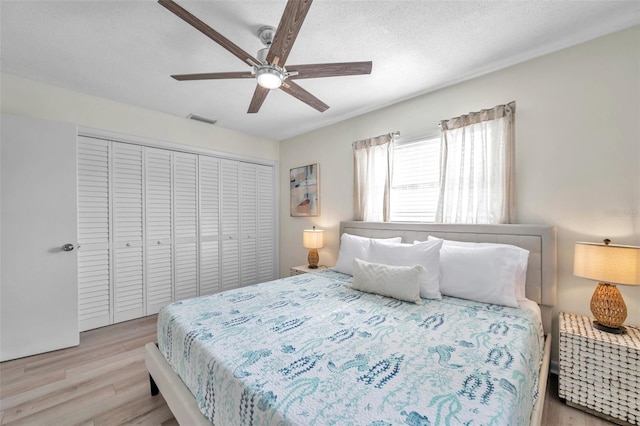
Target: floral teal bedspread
x=308 y=350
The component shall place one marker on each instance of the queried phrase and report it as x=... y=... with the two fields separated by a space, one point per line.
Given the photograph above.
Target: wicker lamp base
x=608 y=308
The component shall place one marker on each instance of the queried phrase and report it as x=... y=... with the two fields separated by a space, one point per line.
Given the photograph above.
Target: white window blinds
x=416 y=180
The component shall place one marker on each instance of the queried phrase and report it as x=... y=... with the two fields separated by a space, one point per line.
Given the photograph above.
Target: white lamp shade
x=313 y=238
x=612 y=264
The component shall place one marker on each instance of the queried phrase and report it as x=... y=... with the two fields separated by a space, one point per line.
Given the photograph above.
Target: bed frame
x=540 y=287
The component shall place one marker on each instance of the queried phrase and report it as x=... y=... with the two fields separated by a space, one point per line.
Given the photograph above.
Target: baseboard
x=554 y=367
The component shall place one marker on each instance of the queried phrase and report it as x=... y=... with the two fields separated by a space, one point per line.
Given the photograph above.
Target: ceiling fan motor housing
x=266 y=35
x=262 y=55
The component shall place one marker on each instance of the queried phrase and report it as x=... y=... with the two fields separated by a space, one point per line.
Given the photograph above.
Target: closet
x=157 y=225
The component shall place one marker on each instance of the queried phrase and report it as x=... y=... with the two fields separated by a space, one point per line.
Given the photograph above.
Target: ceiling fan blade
x=330 y=70
x=258 y=98
x=299 y=93
x=288 y=28
x=212 y=76
x=208 y=31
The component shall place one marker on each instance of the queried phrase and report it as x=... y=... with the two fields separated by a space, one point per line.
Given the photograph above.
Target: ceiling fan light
x=269 y=78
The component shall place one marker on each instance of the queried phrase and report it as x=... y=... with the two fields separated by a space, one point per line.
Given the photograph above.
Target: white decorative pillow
x=521 y=266
x=399 y=282
x=425 y=253
x=352 y=247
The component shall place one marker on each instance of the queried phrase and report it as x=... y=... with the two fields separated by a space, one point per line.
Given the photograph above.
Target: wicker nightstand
x=599 y=371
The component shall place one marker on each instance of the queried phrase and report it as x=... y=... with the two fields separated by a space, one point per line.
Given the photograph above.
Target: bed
x=310 y=350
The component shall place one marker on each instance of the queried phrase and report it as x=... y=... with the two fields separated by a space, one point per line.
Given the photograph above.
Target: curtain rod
x=510 y=105
x=392 y=134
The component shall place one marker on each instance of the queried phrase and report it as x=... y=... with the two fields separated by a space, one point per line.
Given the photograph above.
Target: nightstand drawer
x=599 y=371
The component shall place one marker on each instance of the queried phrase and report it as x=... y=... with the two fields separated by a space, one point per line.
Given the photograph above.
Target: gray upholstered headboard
x=540 y=240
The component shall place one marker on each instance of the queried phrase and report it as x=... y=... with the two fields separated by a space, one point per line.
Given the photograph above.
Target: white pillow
x=522 y=263
x=425 y=253
x=399 y=282
x=353 y=246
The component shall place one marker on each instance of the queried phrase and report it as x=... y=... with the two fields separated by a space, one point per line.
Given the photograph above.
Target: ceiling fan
x=269 y=66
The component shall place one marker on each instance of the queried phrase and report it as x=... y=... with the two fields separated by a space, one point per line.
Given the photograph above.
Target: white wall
x=578 y=154
x=38 y=100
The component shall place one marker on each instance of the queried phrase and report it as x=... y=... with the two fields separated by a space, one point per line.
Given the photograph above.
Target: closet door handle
x=67 y=247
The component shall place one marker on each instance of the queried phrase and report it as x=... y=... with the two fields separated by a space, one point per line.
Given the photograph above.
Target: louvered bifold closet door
x=159 y=270
x=94 y=286
x=248 y=223
x=209 y=172
x=230 y=224
x=128 y=212
x=266 y=254
x=185 y=210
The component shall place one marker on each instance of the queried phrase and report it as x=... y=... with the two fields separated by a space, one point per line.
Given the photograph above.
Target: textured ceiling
x=126 y=50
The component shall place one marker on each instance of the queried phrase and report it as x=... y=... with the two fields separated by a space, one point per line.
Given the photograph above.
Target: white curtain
x=372 y=169
x=477 y=167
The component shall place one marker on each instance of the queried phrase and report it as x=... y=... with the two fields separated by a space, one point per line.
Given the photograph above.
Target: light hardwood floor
x=103 y=381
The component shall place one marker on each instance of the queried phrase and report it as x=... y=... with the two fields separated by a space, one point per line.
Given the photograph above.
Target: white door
x=266 y=224
x=158 y=195
x=38 y=279
x=128 y=213
x=209 y=177
x=248 y=224
x=230 y=224
x=185 y=225
x=94 y=260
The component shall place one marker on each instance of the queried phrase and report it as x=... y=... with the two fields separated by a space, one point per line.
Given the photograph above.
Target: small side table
x=599 y=371
x=299 y=270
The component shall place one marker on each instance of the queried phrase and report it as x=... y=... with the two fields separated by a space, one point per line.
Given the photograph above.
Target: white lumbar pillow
x=352 y=247
x=426 y=253
x=399 y=282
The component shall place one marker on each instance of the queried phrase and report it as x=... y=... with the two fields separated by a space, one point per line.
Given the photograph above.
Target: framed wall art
x=304 y=188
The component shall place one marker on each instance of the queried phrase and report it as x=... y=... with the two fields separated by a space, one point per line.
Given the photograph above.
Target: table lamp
x=610 y=265
x=313 y=239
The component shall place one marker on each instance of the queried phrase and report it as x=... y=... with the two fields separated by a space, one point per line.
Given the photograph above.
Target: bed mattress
x=309 y=350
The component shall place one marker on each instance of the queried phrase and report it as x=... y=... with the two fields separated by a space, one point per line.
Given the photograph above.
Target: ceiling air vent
x=202 y=119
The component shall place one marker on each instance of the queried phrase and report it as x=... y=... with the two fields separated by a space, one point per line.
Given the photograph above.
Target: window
x=463 y=175
x=415 y=184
